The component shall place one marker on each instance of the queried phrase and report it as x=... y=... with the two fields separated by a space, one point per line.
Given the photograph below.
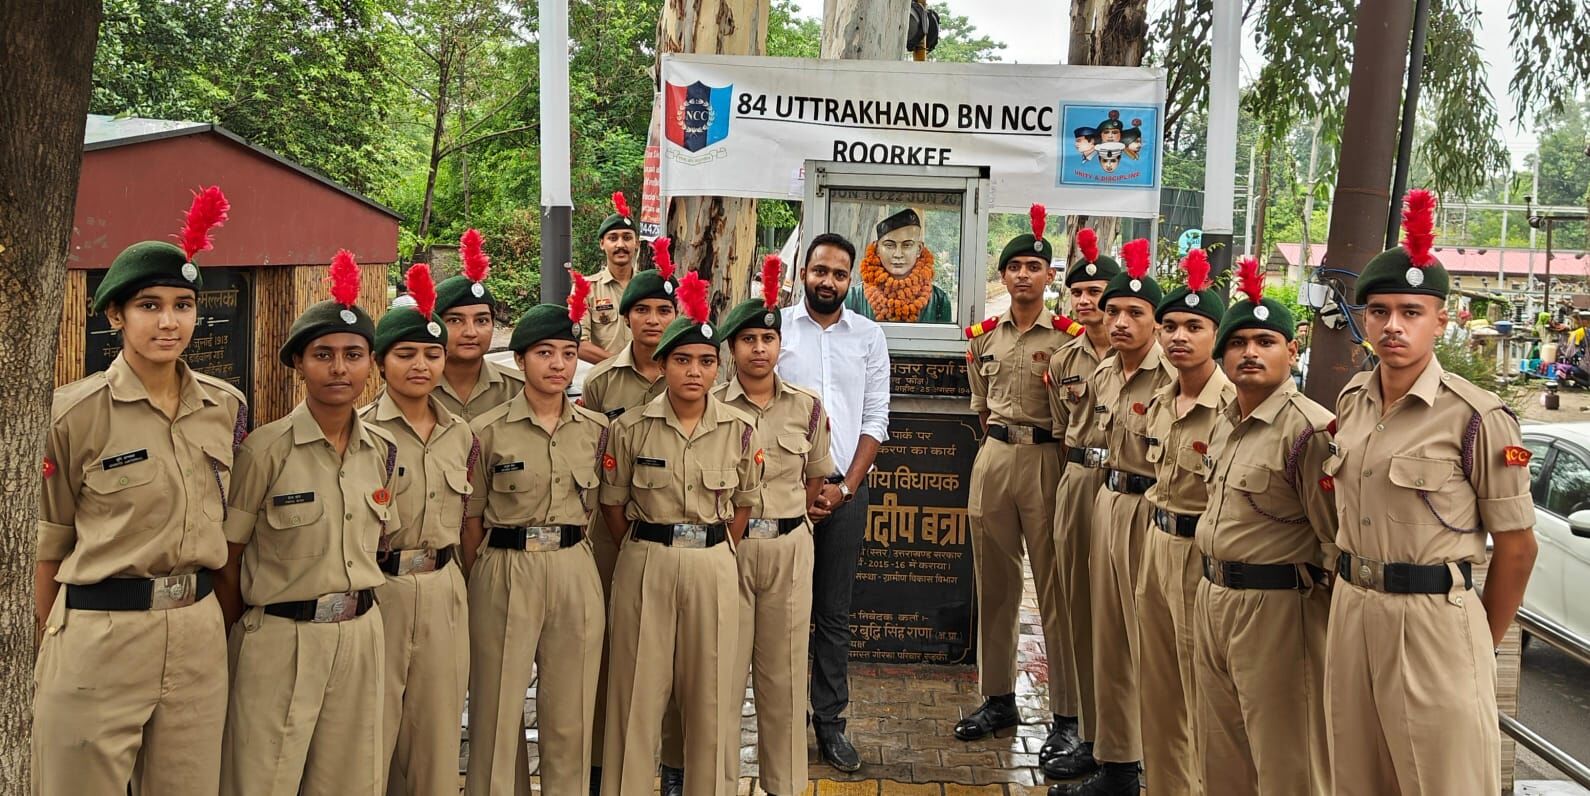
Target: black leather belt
x=1128 y=483
x=141 y=594
x=414 y=561
x=1021 y=435
x=1400 y=578
x=339 y=607
x=536 y=538
x=1182 y=525
x=771 y=528
x=1240 y=575
x=1088 y=457
x=681 y=534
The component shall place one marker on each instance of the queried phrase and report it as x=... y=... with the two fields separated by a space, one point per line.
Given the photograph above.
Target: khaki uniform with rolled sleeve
x=133 y=696
x=1168 y=583
x=1120 y=523
x=306 y=702
x=1410 y=679
x=604 y=326
x=425 y=614
x=675 y=615
x=1011 y=503
x=1260 y=653
x=493 y=388
x=1071 y=405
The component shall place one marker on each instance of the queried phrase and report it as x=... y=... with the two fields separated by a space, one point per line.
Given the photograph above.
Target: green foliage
x=1462 y=150
x=1478 y=365
x=1552 y=63
x=959 y=41
x=790 y=35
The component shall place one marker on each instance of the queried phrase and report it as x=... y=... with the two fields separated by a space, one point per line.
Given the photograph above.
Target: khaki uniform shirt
x=129 y=492
x=431 y=481
x=614 y=385
x=792 y=433
x=1261 y=511
x=603 y=325
x=1070 y=402
x=494 y=387
x=660 y=475
x=1402 y=492
x=1178 y=446
x=1006 y=368
x=527 y=476
x=311 y=521
x=1120 y=409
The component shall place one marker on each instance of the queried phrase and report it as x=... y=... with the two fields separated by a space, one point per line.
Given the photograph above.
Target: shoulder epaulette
x=982 y=327
x=220 y=384
x=1068 y=325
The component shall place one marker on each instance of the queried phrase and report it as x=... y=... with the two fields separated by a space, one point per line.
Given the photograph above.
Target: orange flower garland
x=897 y=298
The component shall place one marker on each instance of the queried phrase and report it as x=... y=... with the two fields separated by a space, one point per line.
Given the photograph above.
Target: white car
x=1559 y=471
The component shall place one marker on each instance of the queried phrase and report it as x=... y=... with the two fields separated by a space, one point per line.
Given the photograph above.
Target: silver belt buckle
x=1019 y=435
x=173 y=591
x=416 y=561
x=1368 y=573
x=1095 y=457
x=693 y=537
x=339 y=607
x=543 y=538
x=762 y=529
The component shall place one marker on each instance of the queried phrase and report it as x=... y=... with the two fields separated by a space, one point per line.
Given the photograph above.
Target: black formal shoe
x=1071 y=765
x=836 y=750
x=673 y=781
x=596 y=781
x=997 y=713
x=1063 y=739
x=1112 y=779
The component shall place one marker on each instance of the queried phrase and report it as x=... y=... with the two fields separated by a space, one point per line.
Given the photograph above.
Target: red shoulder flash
x=1516 y=456
x=608 y=462
x=969 y=357
x=1139 y=409
x=49 y=467
x=1327 y=484
x=580 y=402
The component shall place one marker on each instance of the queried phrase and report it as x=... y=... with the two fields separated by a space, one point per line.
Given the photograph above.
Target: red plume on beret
x=693 y=296
x=620 y=204
x=1418 y=227
x=581 y=287
x=1088 y=244
x=208 y=211
x=1250 y=279
x=344 y=278
x=772 y=280
x=1196 y=264
x=661 y=258
x=422 y=288
x=1038 y=215
x=476 y=262
x=1136 y=255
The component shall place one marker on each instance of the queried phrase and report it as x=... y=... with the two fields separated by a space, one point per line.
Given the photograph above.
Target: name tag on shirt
x=1152 y=441
x=508 y=467
x=1100 y=409
x=293 y=499
x=612 y=414
x=986 y=358
x=650 y=462
x=1335 y=451
x=1071 y=380
x=124 y=459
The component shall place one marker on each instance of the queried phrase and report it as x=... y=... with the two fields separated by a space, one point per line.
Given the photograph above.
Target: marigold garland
x=897 y=298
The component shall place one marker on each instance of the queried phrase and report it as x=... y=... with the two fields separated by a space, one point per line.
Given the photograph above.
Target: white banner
x=1078 y=139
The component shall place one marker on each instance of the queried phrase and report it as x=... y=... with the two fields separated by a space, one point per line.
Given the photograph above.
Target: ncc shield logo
x=698 y=115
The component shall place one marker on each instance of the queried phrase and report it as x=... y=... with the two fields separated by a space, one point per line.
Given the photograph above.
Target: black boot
x=1063 y=739
x=1074 y=764
x=596 y=781
x=836 y=749
x=1112 y=779
x=673 y=781
x=997 y=713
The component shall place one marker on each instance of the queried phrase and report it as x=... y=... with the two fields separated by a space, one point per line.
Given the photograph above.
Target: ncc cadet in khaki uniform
x=606 y=333
x=1011 y=502
x=1122 y=387
x=130 y=685
x=470 y=384
x=1071 y=404
x=535 y=599
x=1181 y=418
x=1427 y=466
x=311 y=499
x=1259 y=617
x=424 y=607
x=683 y=475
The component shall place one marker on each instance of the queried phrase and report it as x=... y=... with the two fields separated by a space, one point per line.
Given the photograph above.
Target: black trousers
x=836 y=553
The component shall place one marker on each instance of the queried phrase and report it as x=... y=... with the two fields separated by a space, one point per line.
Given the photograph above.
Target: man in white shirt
x=843 y=357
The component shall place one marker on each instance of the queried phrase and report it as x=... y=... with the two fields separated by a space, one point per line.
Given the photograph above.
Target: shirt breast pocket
x=1254 y=483
x=1430 y=484
x=586 y=482
x=648 y=477
x=789 y=461
x=990 y=372
x=218 y=461
x=515 y=482
x=717 y=485
x=129 y=494
x=1193 y=462
x=295 y=530
x=380 y=513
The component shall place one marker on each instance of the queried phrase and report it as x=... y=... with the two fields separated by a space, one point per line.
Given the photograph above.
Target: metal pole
x=1410 y=113
x=557 y=199
x=1220 y=171
x=1545 y=301
x=1247 y=219
x=1501 y=256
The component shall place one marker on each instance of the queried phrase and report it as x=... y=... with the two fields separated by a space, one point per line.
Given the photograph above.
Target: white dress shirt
x=846 y=364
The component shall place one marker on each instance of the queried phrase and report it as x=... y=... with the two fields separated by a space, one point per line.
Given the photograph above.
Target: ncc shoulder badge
x=1139 y=409
x=608 y=462
x=49 y=467
x=1327 y=484
x=381 y=496
x=1516 y=456
x=759 y=458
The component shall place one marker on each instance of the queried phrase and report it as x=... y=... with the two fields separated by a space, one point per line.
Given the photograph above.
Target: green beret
x=684 y=331
x=327 y=317
x=543 y=322
x=1101 y=270
x=406 y=325
x=1268 y=314
x=1207 y=302
x=749 y=314
x=459 y=291
x=646 y=285
x=1393 y=271
x=615 y=221
x=1025 y=245
x=1122 y=285
x=143 y=264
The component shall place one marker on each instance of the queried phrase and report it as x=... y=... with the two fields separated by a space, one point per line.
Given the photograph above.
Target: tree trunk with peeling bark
x=862 y=30
x=46 y=63
x=1105 y=33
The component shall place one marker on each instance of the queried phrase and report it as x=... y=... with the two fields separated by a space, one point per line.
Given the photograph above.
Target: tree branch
x=451 y=150
x=494 y=111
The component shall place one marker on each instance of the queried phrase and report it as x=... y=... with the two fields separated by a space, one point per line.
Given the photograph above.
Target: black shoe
x=1074 y=764
x=596 y=781
x=836 y=750
x=673 y=781
x=997 y=713
x=1112 y=779
x=1063 y=739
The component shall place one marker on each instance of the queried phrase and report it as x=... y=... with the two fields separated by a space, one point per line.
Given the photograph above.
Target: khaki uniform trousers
x=426 y=619
x=1410 y=693
x=306 y=710
x=129 y=697
x=775 y=633
x=1166 y=590
x=606 y=552
x=539 y=611
x=1012 y=504
x=1260 y=661
x=1073 y=531
x=673 y=632
x=1120 y=523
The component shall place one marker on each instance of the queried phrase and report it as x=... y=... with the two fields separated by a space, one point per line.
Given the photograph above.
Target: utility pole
x=1220 y=172
x=1308 y=203
x=557 y=198
x=1410 y=118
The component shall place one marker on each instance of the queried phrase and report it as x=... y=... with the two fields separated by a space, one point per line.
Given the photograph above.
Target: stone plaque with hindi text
x=223 y=339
